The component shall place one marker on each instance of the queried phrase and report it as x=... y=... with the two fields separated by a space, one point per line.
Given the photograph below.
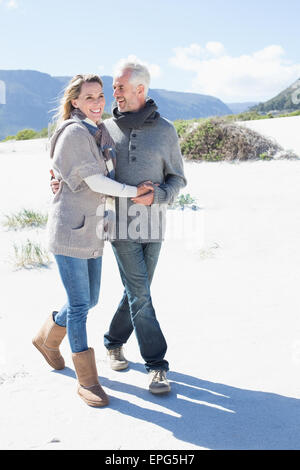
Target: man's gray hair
x=139 y=74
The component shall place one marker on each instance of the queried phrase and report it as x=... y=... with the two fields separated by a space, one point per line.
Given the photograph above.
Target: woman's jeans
x=81 y=279
x=137 y=262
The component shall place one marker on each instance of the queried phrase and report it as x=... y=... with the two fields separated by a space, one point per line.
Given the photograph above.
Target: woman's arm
x=101 y=184
x=104 y=185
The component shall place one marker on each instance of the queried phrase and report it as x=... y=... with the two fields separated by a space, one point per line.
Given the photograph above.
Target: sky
x=237 y=51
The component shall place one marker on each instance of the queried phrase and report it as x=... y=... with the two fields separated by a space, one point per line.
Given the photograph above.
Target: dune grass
x=30 y=255
x=25 y=219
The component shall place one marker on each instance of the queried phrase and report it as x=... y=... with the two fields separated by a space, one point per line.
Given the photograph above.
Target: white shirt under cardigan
x=104 y=185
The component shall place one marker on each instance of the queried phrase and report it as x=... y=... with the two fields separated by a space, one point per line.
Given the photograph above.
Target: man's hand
x=54 y=183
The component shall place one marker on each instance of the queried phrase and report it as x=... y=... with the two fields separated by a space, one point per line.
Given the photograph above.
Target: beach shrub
x=246 y=116
x=26 y=134
x=9 y=137
x=203 y=142
x=295 y=113
x=264 y=156
x=183 y=126
x=42 y=134
x=218 y=139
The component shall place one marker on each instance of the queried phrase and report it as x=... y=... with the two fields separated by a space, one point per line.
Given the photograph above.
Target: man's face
x=128 y=96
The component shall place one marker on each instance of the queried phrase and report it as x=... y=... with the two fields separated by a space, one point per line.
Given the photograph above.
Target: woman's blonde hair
x=71 y=92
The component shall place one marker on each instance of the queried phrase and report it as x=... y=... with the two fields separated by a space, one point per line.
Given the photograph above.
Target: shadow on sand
x=213 y=415
x=216 y=416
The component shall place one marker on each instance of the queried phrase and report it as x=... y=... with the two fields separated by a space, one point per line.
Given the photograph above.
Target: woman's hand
x=144 y=188
x=145 y=194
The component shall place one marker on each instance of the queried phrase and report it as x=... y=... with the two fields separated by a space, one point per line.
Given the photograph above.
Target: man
x=147 y=149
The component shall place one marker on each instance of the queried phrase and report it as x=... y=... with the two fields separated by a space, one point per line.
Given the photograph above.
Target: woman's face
x=91 y=101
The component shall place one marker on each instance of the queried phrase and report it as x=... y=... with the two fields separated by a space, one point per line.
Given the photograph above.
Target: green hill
x=288 y=100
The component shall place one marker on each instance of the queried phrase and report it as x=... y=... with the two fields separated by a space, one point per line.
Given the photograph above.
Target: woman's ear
x=74 y=103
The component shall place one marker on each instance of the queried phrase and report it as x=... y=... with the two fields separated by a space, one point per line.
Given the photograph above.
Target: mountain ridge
x=32 y=96
x=287 y=100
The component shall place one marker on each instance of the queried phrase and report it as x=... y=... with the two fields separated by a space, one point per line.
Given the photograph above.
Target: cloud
x=154 y=69
x=215 y=48
x=11 y=4
x=250 y=77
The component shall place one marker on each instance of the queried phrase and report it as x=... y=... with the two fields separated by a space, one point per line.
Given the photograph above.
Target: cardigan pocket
x=85 y=236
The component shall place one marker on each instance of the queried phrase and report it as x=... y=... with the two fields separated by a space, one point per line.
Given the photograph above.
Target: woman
x=80 y=220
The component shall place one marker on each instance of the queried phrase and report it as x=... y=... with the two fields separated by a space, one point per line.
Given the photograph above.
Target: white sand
x=227 y=300
x=285 y=131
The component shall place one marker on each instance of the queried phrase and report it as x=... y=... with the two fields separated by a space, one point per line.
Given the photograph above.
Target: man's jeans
x=137 y=262
x=81 y=278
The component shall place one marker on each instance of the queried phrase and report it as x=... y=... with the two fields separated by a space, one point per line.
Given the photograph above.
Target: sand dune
x=227 y=298
x=286 y=131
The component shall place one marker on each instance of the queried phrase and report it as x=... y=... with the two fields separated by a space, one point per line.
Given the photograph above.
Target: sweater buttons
x=133 y=159
x=133 y=147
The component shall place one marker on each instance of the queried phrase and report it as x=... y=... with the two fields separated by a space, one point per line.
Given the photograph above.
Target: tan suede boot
x=47 y=341
x=89 y=388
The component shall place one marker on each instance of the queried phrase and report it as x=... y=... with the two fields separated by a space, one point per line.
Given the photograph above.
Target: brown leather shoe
x=47 y=341
x=89 y=388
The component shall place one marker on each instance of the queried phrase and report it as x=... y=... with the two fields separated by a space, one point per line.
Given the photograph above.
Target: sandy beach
x=226 y=295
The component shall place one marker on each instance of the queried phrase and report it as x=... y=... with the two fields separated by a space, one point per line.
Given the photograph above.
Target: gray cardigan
x=146 y=153
x=75 y=218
